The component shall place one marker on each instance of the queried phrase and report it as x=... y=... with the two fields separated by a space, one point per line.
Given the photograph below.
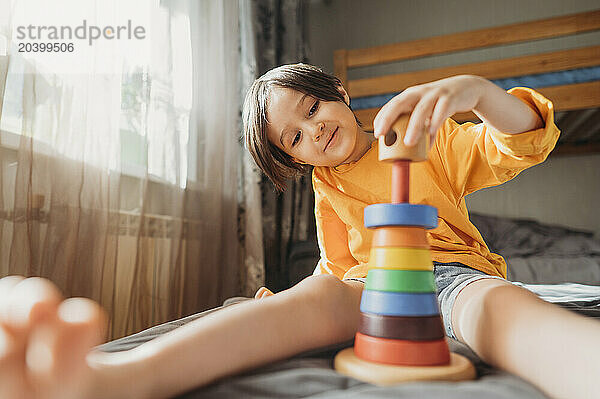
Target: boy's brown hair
x=307 y=79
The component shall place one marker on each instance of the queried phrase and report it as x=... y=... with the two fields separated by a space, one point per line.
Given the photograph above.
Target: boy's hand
x=44 y=341
x=430 y=104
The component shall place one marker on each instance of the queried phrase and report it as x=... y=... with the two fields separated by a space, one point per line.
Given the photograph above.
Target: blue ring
x=399 y=303
x=405 y=214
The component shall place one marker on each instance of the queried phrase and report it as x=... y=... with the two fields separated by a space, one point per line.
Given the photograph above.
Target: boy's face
x=314 y=132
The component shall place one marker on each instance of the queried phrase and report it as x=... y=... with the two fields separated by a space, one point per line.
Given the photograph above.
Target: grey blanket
x=536 y=253
x=311 y=374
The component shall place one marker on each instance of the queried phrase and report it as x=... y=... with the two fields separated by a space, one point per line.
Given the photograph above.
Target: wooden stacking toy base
x=346 y=362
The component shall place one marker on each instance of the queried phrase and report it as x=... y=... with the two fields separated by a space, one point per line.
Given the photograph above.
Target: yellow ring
x=400 y=259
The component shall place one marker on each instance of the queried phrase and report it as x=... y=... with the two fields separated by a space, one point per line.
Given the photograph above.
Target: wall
x=563 y=190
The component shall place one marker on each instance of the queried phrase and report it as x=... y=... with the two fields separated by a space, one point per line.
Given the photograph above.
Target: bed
x=311 y=375
x=559 y=264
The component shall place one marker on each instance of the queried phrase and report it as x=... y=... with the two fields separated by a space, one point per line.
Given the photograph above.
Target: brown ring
x=415 y=328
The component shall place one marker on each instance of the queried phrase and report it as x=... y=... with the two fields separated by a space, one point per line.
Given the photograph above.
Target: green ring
x=400 y=280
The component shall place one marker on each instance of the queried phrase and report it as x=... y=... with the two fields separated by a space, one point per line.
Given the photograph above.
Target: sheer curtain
x=119 y=162
x=274 y=33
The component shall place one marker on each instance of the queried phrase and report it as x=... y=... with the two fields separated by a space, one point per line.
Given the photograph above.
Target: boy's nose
x=319 y=131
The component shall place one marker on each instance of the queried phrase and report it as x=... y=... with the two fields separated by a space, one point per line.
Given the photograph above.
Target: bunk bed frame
x=566 y=97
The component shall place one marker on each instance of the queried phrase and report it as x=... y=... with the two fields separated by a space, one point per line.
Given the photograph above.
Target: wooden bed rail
x=507 y=34
x=496 y=69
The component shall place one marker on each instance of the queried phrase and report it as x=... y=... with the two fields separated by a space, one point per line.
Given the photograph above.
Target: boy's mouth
x=330 y=139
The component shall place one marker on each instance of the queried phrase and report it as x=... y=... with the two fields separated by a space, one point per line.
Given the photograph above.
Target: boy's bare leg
x=318 y=311
x=511 y=328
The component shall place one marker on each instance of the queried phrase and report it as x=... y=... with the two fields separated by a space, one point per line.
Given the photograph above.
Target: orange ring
x=412 y=237
x=401 y=352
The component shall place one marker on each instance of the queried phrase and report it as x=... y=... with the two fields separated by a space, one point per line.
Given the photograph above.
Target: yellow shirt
x=463 y=159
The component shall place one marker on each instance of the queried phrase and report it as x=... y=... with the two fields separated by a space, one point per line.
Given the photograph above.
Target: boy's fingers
x=12 y=367
x=8 y=348
x=403 y=103
x=44 y=340
x=7 y=284
x=31 y=301
x=419 y=120
x=440 y=113
x=59 y=349
x=13 y=383
x=85 y=313
x=432 y=138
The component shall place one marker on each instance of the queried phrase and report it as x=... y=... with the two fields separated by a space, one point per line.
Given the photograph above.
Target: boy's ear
x=344 y=93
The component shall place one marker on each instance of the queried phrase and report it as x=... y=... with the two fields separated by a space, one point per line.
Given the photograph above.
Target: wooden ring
x=399 y=303
x=391 y=146
x=400 y=258
x=400 y=236
x=402 y=352
x=400 y=280
x=403 y=214
x=425 y=328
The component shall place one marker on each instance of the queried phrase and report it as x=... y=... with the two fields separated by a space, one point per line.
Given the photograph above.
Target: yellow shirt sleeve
x=332 y=236
x=476 y=156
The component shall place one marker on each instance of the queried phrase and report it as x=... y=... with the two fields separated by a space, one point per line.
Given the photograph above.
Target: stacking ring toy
x=404 y=214
x=400 y=280
x=400 y=258
x=399 y=303
x=400 y=236
x=401 y=334
x=402 y=352
x=425 y=328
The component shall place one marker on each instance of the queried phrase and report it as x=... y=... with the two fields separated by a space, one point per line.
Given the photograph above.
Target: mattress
x=558 y=264
x=311 y=374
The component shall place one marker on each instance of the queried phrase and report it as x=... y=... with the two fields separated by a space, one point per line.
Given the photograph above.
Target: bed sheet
x=540 y=253
x=311 y=374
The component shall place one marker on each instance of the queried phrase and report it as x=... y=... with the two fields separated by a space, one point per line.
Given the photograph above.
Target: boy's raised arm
x=432 y=103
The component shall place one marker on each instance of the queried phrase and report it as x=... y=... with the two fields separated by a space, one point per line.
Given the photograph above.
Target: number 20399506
x=46 y=47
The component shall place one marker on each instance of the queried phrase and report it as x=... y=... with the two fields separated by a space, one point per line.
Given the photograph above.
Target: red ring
x=402 y=352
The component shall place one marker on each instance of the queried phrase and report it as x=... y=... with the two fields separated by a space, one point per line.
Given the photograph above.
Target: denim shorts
x=450 y=279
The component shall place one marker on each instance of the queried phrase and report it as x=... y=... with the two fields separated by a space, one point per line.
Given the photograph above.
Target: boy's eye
x=313 y=109
x=296 y=138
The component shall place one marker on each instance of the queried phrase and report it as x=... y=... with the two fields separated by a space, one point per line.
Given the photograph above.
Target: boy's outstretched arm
x=503 y=111
x=432 y=103
x=319 y=311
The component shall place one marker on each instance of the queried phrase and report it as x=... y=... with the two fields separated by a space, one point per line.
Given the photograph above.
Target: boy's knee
x=493 y=301
x=505 y=295
x=326 y=289
x=320 y=286
x=336 y=300
x=515 y=303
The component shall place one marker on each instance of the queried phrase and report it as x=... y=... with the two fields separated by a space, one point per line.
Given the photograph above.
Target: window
x=143 y=112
